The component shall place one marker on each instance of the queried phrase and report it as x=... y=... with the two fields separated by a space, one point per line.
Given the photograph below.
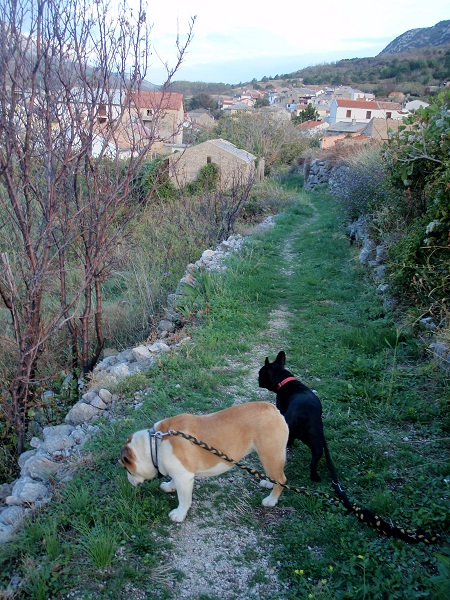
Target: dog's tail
x=372 y=519
x=334 y=479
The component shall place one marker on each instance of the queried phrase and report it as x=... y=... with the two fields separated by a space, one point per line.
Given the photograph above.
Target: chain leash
x=364 y=515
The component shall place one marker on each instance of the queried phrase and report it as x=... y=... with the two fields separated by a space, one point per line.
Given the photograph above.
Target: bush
x=153 y=178
x=420 y=164
x=362 y=184
x=207 y=179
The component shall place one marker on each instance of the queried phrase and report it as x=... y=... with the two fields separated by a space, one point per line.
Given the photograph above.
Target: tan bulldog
x=235 y=431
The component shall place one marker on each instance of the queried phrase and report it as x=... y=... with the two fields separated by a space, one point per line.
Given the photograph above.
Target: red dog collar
x=285 y=381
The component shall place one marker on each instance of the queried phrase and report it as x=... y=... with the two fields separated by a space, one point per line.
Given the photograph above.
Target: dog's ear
x=127 y=457
x=266 y=362
x=281 y=358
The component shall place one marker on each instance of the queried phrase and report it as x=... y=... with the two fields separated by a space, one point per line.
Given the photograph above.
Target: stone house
x=201 y=119
x=380 y=130
x=162 y=113
x=235 y=164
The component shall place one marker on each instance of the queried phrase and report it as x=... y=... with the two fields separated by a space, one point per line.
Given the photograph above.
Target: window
x=368 y=114
x=101 y=115
x=149 y=112
x=349 y=114
x=388 y=115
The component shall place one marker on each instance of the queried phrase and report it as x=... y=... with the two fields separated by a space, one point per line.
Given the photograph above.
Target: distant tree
x=261 y=102
x=308 y=114
x=262 y=134
x=202 y=100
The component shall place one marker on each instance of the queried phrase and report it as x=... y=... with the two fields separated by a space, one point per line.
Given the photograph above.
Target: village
x=342 y=115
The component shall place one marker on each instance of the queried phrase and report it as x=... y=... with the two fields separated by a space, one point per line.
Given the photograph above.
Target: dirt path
x=222 y=550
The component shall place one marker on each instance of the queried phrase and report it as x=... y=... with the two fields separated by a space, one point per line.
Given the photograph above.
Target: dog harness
x=153 y=437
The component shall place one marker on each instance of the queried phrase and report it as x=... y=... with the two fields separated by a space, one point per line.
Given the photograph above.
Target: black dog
x=302 y=411
x=300 y=407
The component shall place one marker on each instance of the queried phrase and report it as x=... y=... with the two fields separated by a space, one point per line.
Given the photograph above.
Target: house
x=356 y=94
x=251 y=96
x=161 y=112
x=235 y=164
x=200 y=119
x=381 y=130
x=322 y=106
x=377 y=130
x=238 y=107
x=225 y=102
x=397 y=97
x=313 y=128
x=123 y=141
x=338 y=132
x=363 y=111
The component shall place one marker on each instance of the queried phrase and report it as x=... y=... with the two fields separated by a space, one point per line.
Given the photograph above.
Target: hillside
x=409 y=72
x=412 y=63
x=424 y=37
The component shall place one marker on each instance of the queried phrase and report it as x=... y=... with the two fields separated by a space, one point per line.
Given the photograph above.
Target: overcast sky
x=238 y=40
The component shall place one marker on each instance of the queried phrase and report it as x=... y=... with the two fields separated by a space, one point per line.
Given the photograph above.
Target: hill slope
x=424 y=37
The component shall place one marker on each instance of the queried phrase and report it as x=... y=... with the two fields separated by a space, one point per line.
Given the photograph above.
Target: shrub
x=420 y=164
x=207 y=179
x=362 y=184
x=153 y=178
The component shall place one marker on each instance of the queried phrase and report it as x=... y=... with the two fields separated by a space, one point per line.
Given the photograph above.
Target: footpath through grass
x=386 y=421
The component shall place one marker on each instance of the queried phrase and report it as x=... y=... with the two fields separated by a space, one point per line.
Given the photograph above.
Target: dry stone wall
x=52 y=453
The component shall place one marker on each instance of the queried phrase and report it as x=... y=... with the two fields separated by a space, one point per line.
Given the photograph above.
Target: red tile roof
x=158 y=100
x=357 y=104
x=390 y=105
x=309 y=124
x=369 y=104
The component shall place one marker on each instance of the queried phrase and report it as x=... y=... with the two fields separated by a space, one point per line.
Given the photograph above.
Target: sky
x=237 y=40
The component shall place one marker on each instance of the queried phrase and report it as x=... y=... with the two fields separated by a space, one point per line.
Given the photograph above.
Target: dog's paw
x=177 y=515
x=168 y=486
x=266 y=484
x=270 y=501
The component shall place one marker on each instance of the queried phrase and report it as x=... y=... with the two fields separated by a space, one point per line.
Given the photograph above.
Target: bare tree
x=265 y=133
x=69 y=70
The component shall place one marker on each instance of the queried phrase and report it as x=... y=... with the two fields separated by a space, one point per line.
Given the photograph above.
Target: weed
x=100 y=543
x=132 y=383
x=37 y=584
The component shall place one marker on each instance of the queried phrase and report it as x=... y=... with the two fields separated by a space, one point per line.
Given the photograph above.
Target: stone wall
x=54 y=452
x=321 y=173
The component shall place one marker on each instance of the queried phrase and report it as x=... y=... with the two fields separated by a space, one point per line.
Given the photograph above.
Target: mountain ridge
x=422 y=37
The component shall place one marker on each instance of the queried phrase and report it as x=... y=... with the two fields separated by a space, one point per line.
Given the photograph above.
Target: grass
x=386 y=420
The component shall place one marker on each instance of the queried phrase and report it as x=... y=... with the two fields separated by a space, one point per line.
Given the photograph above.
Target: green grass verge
x=386 y=421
